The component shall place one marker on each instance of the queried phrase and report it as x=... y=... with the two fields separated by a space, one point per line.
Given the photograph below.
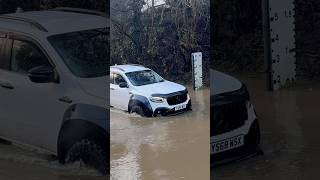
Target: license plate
x=177 y=108
x=227 y=144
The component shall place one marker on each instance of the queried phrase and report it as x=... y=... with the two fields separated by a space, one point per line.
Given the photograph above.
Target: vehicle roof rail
x=25 y=20
x=79 y=10
x=136 y=65
x=115 y=67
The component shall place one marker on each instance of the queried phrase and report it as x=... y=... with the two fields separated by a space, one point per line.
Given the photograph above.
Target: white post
x=282 y=43
x=196 y=59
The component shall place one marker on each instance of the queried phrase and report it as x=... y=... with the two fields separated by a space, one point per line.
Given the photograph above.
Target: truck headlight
x=157 y=99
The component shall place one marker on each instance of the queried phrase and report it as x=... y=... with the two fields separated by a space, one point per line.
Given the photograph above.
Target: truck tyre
x=90 y=153
x=254 y=136
x=139 y=110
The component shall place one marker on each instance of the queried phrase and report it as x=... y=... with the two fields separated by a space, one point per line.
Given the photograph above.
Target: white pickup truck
x=53 y=95
x=140 y=90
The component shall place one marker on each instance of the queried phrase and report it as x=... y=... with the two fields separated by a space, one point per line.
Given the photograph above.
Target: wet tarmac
x=290 y=126
x=162 y=148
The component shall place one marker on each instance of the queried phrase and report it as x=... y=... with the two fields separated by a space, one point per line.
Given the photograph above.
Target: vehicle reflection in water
x=289 y=121
x=173 y=147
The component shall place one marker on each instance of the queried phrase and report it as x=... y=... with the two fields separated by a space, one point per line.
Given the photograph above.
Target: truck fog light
x=157 y=99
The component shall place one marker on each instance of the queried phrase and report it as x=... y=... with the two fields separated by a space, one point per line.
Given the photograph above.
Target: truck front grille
x=177 y=99
x=228 y=117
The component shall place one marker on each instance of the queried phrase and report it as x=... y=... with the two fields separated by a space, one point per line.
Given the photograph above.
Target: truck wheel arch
x=142 y=102
x=82 y=121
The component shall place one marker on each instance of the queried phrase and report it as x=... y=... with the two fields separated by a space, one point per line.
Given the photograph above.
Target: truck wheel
x=254 y=135
x=139 y=110
x=90 y=153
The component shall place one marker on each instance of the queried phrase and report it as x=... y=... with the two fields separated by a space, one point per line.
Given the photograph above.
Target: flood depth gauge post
x=279 y=42
x=197 y=77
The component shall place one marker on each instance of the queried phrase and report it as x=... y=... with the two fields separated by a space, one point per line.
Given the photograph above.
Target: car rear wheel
x=90 y=153
x=139 y=110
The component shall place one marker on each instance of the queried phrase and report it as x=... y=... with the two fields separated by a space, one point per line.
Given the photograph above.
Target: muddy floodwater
x=290 y=126
x=21 y=163
x=162 y=148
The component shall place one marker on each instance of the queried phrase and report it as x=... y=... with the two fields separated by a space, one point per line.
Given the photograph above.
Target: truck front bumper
x=166 y=111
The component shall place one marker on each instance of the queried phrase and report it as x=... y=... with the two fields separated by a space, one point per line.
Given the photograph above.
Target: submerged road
x=162 y=148
x=22 y=163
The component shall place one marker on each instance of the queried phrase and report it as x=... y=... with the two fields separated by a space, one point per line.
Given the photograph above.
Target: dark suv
x=234 y=126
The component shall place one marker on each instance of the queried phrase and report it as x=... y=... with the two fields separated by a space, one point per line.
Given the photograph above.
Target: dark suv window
x=25 y=56
x=86 y=53
x=111 y=78
x=118 y=79
x=3 y=58
x=2 y=43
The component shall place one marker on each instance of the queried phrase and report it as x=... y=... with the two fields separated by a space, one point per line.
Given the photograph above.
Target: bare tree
x=161 y=36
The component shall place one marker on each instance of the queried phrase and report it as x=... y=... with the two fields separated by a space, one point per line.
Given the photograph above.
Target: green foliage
x=238 y=42
x=10 y=6
x=308 y=38
x=238 y=35
x=100 y=5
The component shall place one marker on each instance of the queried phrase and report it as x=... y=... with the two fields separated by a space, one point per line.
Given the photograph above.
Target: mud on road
x=289 y=121
x=161 y=148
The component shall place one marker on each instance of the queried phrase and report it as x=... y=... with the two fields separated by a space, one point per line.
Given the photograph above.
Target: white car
x=140 y=90
x=53 y=66
x=234 y=127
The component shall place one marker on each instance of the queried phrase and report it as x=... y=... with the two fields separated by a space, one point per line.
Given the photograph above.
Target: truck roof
x=51 y=22
x=128 y=68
